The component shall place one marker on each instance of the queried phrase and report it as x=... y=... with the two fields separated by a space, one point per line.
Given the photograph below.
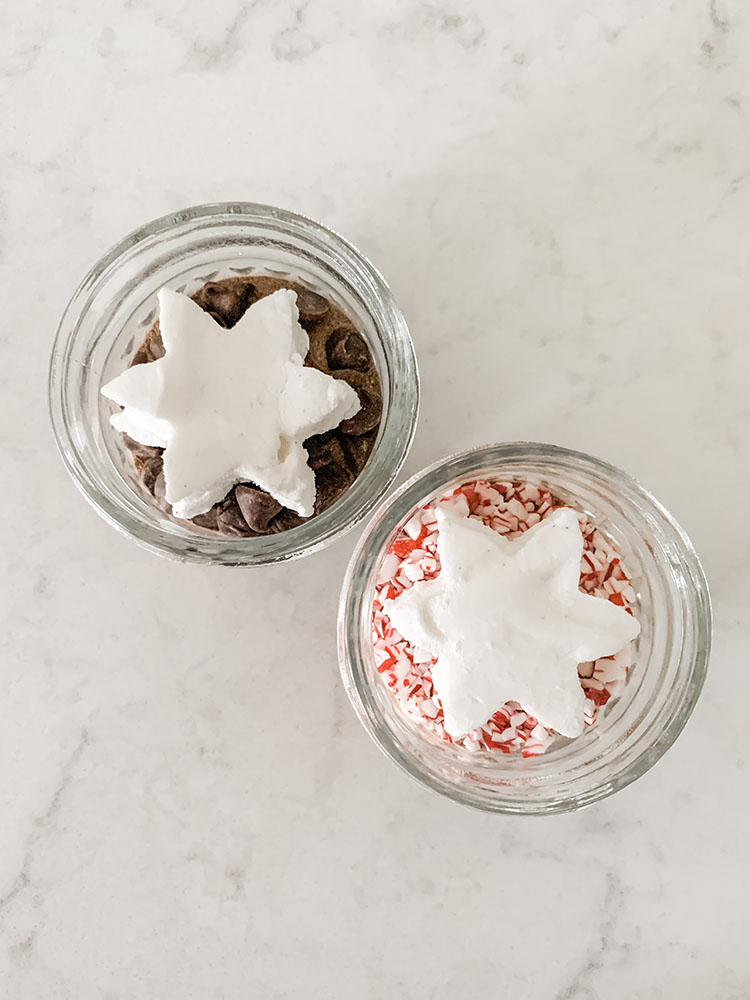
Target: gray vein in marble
x=219 y=56
x=464 y=28
x=432 y=20
x=21 y=881
x=581 y=986
x=22 y=58
x=720 y=23
x=43 y=822
x=294 y=44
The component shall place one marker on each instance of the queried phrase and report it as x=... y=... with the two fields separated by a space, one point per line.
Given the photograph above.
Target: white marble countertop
x=559 y=195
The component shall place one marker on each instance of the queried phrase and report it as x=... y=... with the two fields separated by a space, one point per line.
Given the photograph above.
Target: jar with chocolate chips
x=223 y=385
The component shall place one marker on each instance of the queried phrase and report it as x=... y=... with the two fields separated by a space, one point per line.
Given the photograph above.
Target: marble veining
x=558 y=195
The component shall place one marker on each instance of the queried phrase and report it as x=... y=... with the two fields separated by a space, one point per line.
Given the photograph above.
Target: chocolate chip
x=160 y=488
x=207 y=520
x=312 y=307
x=324 y=449
x=230 y=521
x=140 y=452
x=358 y=449
x=284 y=520
x=227 y=301
x=141 y=356
x=258 y=507
x=371 y=402
x=330 y=482
x=317 y=356
x=149 y=472
x=346 y=349
x=152 y=347
x=155 y=343
x=333 y=473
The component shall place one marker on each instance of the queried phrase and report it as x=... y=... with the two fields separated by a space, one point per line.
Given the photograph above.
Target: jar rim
x=398 y=422
x=355 y=648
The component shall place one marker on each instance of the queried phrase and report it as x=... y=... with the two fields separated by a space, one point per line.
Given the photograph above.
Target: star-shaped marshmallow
x=507 y=622
x=231 y=406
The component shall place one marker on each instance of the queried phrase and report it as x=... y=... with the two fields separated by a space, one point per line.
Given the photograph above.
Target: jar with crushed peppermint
x=635 y=699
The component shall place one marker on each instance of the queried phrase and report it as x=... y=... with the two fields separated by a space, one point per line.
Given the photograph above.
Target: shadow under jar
x=109 y=317
x=633 y=730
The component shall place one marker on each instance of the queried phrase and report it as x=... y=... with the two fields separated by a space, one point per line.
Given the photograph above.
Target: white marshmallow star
x=231 y=406
x=507 y=622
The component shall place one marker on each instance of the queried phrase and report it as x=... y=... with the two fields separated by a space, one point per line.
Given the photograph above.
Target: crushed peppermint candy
x=510 y=509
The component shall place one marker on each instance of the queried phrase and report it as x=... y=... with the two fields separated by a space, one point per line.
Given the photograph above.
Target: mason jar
x=670 y=655
x=114 y=307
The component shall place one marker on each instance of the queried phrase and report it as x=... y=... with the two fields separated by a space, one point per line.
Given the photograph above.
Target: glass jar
x=631 y=732
x=116 y=304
